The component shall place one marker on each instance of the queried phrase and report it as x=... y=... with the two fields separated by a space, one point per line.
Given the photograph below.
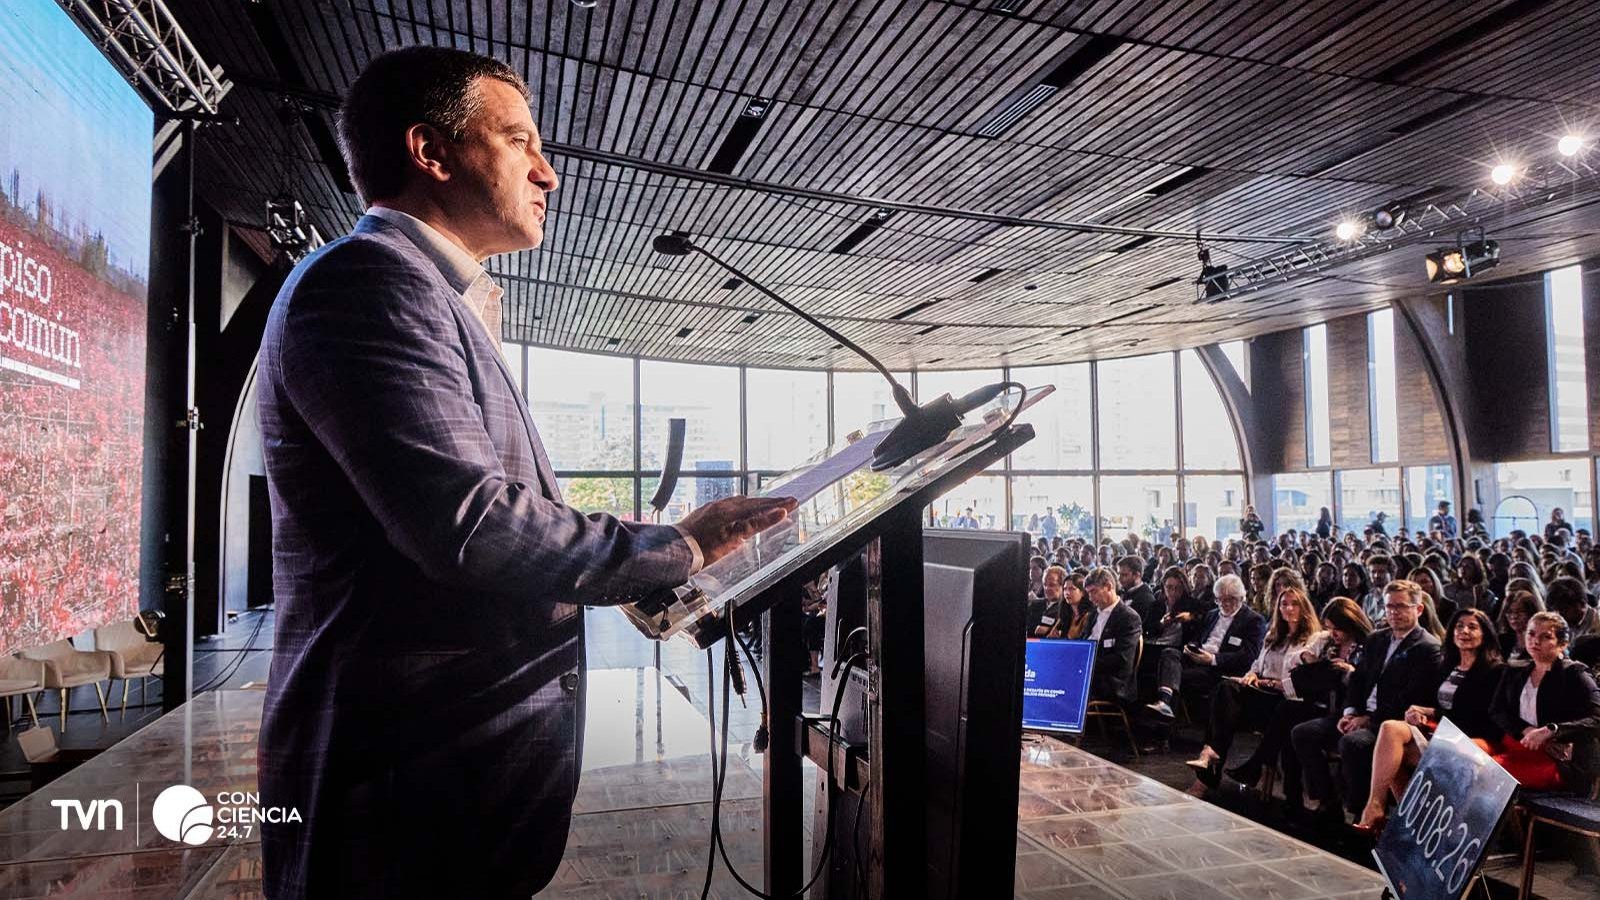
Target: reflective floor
x=1089 y=828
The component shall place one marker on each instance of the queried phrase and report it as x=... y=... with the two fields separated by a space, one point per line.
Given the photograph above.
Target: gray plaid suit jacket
x=424 y=707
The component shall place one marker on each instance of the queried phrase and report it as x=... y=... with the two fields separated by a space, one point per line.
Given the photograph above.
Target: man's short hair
x=1131 y=563
x=1232 y=585
x=410 y=86
x=1102 y=576
x=1565 y=592
x=1411 y=589
x=1381 y=560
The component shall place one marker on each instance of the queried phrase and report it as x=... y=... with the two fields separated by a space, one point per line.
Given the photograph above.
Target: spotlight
x=1348 y=230
x=1569 y=145
x=1451 y=264
x=1502 y=174
x=1391 y=216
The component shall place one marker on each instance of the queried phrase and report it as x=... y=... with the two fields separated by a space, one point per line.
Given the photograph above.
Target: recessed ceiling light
x=1570 y=144
x=1347 y=230
x=1502 y=174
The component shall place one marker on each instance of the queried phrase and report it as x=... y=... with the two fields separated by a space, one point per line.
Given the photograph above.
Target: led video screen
x=74 y=260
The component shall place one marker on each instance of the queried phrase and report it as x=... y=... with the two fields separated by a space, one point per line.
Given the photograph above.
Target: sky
x=74 y=127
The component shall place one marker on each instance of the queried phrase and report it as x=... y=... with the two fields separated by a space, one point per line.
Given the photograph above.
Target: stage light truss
x=1426 y=223
x=144 y=41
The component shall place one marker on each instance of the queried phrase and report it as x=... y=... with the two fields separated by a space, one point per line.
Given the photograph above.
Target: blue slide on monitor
x=1055 y=685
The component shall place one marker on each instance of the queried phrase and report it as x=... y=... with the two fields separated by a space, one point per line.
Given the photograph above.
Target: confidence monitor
x=1055 y=685
x=975 y=587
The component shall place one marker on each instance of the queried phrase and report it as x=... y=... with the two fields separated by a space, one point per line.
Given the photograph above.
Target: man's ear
x=429 y=151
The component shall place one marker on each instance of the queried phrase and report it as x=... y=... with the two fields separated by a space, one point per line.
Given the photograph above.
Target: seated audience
x=1470 y=590
x=1518 y=609
x=1468 y=675
x=1221 y=644
x=1548 y=713
x=1257 y=695
x=1380 y=569
x=1568 y=596
x=1394 y=674
x=1428 y=580
x=1117 y=629
x=1319 y=684
x=1180 y=612
x=1135 y=593
x=1325 y=584
x=1060 y=612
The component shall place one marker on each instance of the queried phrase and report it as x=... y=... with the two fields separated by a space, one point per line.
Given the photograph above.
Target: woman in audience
x=1075 y=596
x=1260 y=583
x=1308 y=567
x=1469 y=672
x=1429 y=582
x=1356 y=583
x=1325 y=584
x=1337 y=648
x=1523 y=569
x=1179 y=611
x=1262 y=691
x=1520 y=606
x=1470 y=590
x=1203 y=585
x=1592 y=565
x=1325 y=523
x=1548 y=713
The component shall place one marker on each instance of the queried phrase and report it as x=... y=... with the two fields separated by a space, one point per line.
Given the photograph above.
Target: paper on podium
x=838 y=493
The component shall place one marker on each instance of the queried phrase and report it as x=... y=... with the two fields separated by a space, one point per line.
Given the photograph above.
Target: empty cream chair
x=67 y=667
x=20 y=677
x=132 y=656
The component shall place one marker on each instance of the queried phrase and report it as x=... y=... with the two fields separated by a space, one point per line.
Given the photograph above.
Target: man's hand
x=1348 y=724
x=1199 y=657
x=721 y=526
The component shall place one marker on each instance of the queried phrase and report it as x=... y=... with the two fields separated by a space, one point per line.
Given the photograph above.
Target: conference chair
x=132 y=656
x=67 y=667
x=1111 y=709
x=20 y=678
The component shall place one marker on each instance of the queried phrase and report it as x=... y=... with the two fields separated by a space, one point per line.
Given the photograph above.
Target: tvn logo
x=95 y=812
x=182 y=814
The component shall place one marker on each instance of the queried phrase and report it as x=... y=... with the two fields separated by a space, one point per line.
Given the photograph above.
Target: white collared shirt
x=479 y=292
x=1219 y=630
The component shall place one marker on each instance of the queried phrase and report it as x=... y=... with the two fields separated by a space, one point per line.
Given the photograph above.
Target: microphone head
x=671 y=244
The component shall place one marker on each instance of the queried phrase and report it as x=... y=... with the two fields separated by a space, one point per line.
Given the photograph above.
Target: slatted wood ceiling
x=1273 y=119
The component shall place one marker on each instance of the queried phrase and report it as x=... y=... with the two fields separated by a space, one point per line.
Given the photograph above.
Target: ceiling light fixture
x=1503 y=174
x=1448 y=265
x=1387 y=217
x=1213 y=280
x=1348 y=230
x=1570 y=144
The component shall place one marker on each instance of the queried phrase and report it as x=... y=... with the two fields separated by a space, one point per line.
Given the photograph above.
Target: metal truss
x=1437 y=219
x=145 y=42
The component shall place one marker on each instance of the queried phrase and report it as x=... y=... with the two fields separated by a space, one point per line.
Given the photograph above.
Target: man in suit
x=1224 y=642
x=1135 y=593
x=1116 y=628
x=424 y=709
x=1398 y=669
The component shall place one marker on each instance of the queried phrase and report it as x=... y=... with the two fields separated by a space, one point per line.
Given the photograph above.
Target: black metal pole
x=783 y=803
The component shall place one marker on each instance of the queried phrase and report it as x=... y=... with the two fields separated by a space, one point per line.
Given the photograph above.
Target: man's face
x=1380 y=576
x=1230 y=603
x=499 y=176
x=1126 y=578
x=1102 y=595
x=1401 y=612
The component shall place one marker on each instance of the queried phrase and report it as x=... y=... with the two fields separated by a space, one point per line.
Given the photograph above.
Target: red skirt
x=1533 y=769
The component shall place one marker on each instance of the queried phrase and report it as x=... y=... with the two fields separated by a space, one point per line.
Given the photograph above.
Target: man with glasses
x=1396 y=671
x=1116 y=628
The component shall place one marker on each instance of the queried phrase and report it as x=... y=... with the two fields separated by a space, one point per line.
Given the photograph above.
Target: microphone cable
x=719 y=774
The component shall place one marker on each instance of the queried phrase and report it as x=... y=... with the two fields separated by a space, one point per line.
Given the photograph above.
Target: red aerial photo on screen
x=71 y=411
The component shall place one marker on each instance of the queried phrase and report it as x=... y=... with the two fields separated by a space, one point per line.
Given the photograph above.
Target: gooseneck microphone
x=922 y=426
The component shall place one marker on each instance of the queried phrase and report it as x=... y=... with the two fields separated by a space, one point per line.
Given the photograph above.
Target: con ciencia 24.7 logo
x=183 y=814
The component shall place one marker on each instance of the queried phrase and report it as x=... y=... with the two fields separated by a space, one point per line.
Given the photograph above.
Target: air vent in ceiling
x=740 y=136
x=1161 y=284
x=1134 y=244
x=731 y=283
x=1080 y=58
x=863 y=231
x=685 y=331
x=929 y=330
x=612 y=342
x=985 y=275
x=751 y=319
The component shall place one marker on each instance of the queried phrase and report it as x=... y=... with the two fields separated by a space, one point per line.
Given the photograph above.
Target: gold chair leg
x=63 y=710
x=124 y=698
x=105 y=715
x=1527 y=861
x=31 y=711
